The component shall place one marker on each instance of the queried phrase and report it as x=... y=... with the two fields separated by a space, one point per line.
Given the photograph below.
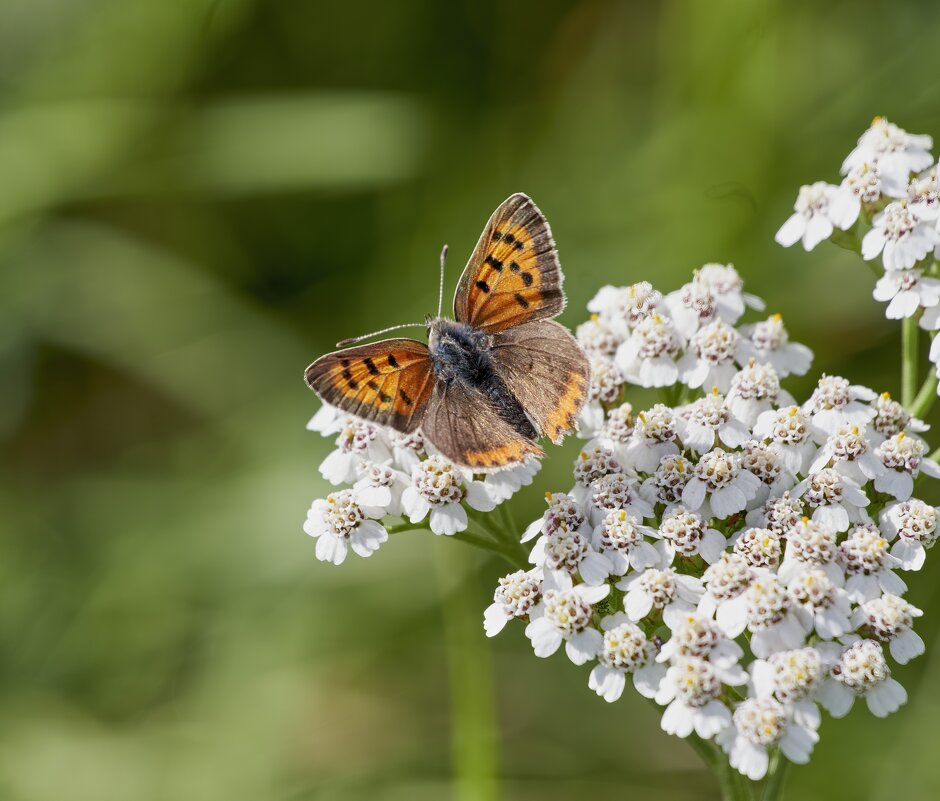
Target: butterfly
x=494 y=379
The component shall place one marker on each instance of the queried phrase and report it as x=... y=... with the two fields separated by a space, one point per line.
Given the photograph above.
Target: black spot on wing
x=370 y=366
x=392 y=361
x=495 y=263
x=527 y=278
x=483 y=286
x=405 y=398
x=521 y=301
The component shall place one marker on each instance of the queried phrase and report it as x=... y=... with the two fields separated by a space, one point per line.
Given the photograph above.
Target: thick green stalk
x=473 y=712
x=909 y=337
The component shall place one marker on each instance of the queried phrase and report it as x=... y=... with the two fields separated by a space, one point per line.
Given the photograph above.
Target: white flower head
x=923 y=196
x=653 y=590
x=697 y=636
x=515 y=597
x=903 y=457
x=778 y=514
x=597 y=337
x=819 y=209
x=791 y=432
x=719 y=479
x=625 y=650
x=616 y=491
x=713 y=355
x=849 y=452
x=759 y=724
x=564 y=515
x=648 y=357
x=759 y=547
x=709 y=417
x=901 y=238
x=571 y=552
x=770 y=617
x=407 y=449
x=906 y=292
x=767 y=464
x=820 y=603
x=691 y=307
x=668 y=481
x=691 y=690
x=893 y=151
x=338 y=523
x=726 y=585
x=864 y=182
x=861 y=671
x=359 y=443
x=618 y=427
x=724 y=283
x=768 y=341
x=868 y=565
x=380 y=489
x=564 y=615
x=914 y=523
x=654 y=436
x=622 y=308
x=792 y=677
x=755 y=389
x=439 y=488
x=686 y=534
x=835 y=499
x=836 y=403
x=891 y=419
x=890 y=619
x=620 y=538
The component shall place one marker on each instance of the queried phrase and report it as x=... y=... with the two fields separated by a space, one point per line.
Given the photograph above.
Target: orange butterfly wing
x=513 y=275
x=388 y=382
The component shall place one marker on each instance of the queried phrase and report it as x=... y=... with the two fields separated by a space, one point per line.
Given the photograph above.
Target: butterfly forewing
x=466 y=429
x=513 y=275
x=546 y=370
x=389 y=382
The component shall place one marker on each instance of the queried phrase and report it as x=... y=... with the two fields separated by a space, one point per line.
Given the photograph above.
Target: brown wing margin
x=547 y=371
x=463 y=426
x=513 y=275
x=388 y=382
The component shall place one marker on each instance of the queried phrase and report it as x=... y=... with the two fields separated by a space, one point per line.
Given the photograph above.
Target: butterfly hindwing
x=388 y=382
x=462 y=424
x=513 y=275
x=547 y=371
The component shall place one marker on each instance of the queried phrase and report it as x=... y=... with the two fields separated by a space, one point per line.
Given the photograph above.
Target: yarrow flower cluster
x=888 y=205
x=737 y=555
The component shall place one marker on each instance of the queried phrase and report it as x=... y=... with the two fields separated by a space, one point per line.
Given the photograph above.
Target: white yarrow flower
x=819 y=209
x=338 y=523
x=439 y=488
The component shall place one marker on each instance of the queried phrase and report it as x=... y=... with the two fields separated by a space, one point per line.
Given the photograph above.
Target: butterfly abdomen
x=461 y=353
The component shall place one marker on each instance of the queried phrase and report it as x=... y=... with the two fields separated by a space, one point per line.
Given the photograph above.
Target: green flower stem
x=473 y=708
x=926 y=397
x=479 y=535
x=776 y=777
x=909 y=337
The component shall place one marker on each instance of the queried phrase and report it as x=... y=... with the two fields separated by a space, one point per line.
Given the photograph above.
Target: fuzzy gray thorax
x=462 y=353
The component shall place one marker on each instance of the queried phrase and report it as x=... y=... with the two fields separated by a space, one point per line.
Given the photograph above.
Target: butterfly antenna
x=440 y=294
x=353 y=340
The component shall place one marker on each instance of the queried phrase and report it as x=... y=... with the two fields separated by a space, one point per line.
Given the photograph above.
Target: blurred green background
x=197 y=198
